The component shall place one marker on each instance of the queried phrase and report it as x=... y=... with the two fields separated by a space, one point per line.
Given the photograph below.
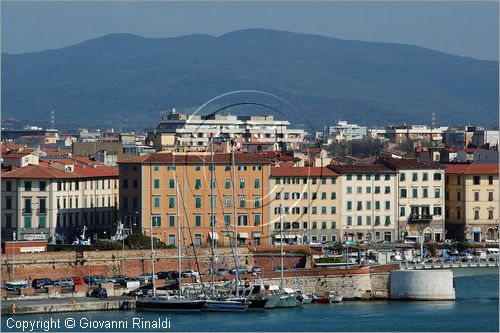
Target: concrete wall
x=429 y=285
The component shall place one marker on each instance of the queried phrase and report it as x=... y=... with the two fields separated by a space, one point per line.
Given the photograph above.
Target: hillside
x=130 y=79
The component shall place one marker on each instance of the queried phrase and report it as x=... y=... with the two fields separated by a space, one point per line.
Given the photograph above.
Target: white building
x=344 y=132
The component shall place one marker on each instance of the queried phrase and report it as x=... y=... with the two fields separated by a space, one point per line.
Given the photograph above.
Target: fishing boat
x=320 y=299
x=302 y=298
x=177 y=303
x=334 y=296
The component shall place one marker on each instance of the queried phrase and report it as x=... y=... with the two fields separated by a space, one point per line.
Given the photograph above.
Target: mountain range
x=124 y=79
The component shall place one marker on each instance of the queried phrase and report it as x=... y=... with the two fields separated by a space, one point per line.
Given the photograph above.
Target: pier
x=440 y=264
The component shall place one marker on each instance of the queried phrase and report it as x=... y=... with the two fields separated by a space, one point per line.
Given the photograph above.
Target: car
x=278 y=269
x=41 y=283
x=99 y=293
x=170 y=275
x=256 y=270
x=121 y=279
x=241 y=270
x=190 y=273
x=77 y=280
x=146 y=277
x=64 y=282
x=95 y=279
x=222 y=272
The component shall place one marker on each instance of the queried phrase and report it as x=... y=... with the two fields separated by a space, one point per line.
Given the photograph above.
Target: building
x=459 y=137
x=344 y=132
x=368 y=197
x=420 y=200
x=303 y=201
x=149 y=197
x=482 y=137
x=53 y=200
x=403 y=133
x=472 y=201
x=179 y=132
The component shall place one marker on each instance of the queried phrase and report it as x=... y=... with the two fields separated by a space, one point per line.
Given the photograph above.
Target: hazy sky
x=469 y=29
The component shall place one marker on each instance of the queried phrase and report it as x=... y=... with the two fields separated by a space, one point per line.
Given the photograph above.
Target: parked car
x=41 y=283
x=99 y=293
x=222 y=272
x=121 y=279
x=256 y=270
x=146 y=277
x=190 y=273
x=77 y=280
x=241 y=270
x=64 y=282
x=278 y=269
x=170 y=275
x=95 y=279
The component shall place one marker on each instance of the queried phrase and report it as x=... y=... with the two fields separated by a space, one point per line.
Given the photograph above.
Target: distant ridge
x=125 y=78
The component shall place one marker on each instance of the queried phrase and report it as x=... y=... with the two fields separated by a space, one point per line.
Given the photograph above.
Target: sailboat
x=176 y=303
x=220 y=304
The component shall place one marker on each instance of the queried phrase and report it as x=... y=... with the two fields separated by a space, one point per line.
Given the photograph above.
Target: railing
x=419 y=218
x=27 y=211
x=42 y=211
x=439 y=263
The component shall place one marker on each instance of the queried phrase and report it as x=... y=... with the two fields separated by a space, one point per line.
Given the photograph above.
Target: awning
x=213 y=235
x=285 y=236
x=243 y=235
x=256 y=235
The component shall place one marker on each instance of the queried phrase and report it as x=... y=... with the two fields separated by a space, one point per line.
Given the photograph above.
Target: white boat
x=302 y=298
x=286 y=297
x=334 y=296
x=226 y=305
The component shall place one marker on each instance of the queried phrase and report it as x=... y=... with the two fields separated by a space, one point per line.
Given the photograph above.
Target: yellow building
x=472 y=201
x=149 y=194
x=304 y=203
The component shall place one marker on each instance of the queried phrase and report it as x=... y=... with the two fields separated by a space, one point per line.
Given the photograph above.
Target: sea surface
x=476 y=309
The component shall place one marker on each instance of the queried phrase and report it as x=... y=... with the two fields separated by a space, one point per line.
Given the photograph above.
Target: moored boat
x=168 y=303
x=226 y=305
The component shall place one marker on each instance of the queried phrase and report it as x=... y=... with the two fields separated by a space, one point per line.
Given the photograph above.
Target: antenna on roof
x=52 y=119
x=433 y=120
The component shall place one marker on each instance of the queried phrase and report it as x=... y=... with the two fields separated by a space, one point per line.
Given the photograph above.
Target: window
x=304 y=225
x=257 y=201
x=323 y=225
x=360 y=206
x=156 y=168
x=242 y=168
x=227 y=168
x=368 y=205
x=387 y=205
x=227 y=220
x=156 y=220
x=171 y=240
x=197 y=167
x=314 y=210
x=349 y=220
x=323 y=195
x=490 y=180
x=8 y=202
x=197 y=201
x=425 y=193
x=477 y=180
x=277 y=226
x=43 y=185
x=334 y=181
x=387 y=220
x=490 y=196
x=349 y=189
x=349 y=177
x=295 y=195
x=257 y=167
x=414 y=193
x=156 y=183
x=135 y=183
x=242 y=201
x=27 y=206
x=171 y=183
x=171 y=202
x=171 y=220
x=402 y=193
x=414 y=176
x=368 y=190
x=476 y=214
x=323 y=181
x=377 y=220
x=333 y=210
x=323 y=210
x=278 y=181
x=490 y=214
x=459 y=196
x=476 y=196
x=368 y=220
x=213 y=183
x=27 y=221
x=349 y=205
x=402 y=177
x=256 y=219
x=437 y=210
x=59 y=184
x=359 y=177
x=387 y=177
x=387 y=190
x=377 y=189
x=314 y=195
x=242 y=183
x=377 y=205
x=197 y=184
x=256 y=183
x=359 y=190
x=242 y=219
x=42 y=209
x=304 y=195
x=402 y=211
x=277 y=196
x=213 y=220
x=425 y=177
x=360 y=220
x=27 y=186
x=156 y=201
x=334 y=225
x=213 y=201
x=459 y=213
x=333 y=196
x=315 y=225
x=437 y=176
x=8 y=186
x=227 y=201
x=197 y=240
x=437 y=193
x=171 y=168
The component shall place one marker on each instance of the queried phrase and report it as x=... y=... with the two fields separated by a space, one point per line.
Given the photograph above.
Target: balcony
x=41 y=211
x=27 y=211
x=424 y=218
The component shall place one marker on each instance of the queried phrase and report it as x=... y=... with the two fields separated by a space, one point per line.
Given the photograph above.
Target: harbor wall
x=422 y=285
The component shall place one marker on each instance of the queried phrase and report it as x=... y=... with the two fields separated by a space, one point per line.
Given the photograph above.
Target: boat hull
x=272 y=301
x=225 y=306
x=287 y=301
x=257 y=304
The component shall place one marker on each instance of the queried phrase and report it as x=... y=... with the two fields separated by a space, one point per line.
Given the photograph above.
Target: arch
x=490 y=233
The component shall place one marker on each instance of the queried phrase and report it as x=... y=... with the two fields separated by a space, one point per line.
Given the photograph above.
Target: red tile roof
x=361 y=169
x=45 y=171
x=302 y=172
x=219 y=158
x=471 y=168
x=15 y=155
x=404 y=163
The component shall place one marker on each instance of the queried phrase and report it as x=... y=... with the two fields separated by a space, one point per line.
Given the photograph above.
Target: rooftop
x=361 y=169
x=285 y=171
x=404 y=163
x=180 y=159
x=471 y=168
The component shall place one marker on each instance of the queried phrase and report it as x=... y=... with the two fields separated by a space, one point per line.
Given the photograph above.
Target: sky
x=460 y=28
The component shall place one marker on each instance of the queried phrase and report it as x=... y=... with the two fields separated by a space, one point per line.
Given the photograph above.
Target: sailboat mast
x=179 y=268
x=152 y=258
x=235 y=224
x=212 y=216
x=282 y=284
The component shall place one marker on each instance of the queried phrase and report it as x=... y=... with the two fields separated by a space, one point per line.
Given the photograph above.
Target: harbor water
x=476 y=308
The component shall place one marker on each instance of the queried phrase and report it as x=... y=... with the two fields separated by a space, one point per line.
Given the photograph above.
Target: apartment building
x=53 y=200
x=420 y=200
x=160 y=190
x=472 y=201
x=368 y=196
x=304 y=205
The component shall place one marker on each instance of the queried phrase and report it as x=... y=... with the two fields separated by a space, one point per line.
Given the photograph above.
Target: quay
x=448 y=265
x=77 y=304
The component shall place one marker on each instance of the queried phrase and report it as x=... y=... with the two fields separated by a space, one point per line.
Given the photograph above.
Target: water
x=476 y=309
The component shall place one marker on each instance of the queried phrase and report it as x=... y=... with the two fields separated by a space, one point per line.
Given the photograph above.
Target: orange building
x=149 y=194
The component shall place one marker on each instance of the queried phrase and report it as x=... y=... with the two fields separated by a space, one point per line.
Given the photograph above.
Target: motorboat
x=320 y=299
x=302 y=298
x=169 y=303
x=335 y=297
